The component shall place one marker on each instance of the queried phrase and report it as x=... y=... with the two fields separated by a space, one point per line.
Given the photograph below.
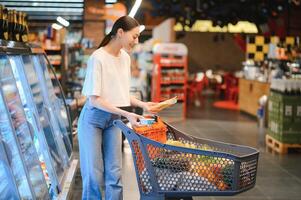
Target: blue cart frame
x=209 y=168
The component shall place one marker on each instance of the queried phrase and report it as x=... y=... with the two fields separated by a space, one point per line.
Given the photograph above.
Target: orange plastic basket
x=156 y=131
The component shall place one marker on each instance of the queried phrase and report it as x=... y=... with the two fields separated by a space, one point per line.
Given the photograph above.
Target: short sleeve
x=92 y=83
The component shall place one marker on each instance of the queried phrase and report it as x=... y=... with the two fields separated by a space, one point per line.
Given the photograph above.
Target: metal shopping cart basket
x=186 y=166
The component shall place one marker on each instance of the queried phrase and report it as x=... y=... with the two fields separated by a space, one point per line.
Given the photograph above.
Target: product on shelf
x=284 y=111
x=3 y=23
x=13 y=25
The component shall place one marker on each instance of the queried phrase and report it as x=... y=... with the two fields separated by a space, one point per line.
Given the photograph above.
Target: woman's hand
x=133 y=118
x=151 y=107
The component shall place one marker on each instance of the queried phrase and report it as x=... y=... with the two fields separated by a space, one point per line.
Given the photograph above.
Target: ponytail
x=106 y=40
x=126 y=23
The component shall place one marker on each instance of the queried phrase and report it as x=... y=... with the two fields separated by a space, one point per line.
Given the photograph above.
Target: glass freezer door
x=57 y=104
x=16 y=163
x=46 y=145
x=17 y=126
x=35 y=84
x=8 y=187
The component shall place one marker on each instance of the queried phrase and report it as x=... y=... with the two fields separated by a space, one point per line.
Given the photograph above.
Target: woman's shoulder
x=95 y=59
x=98 y=54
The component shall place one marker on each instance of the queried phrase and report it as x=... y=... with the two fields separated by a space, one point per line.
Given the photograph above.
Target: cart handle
x=129 y=133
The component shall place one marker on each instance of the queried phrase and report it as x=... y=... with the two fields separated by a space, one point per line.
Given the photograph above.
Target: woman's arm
x=136 y=102
x=100 y=103
x=148 y=106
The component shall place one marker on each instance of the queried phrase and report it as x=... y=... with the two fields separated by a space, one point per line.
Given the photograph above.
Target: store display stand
x=65 y=63
x=169 y=78
x=55 y=56
x=30 y=90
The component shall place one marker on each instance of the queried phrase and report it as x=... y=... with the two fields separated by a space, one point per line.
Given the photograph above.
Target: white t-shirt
x=108 y=76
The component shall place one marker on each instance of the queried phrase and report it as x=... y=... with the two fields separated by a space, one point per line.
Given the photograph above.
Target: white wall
x=164 y=31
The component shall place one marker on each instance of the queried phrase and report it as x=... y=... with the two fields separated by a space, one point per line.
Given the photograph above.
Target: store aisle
x=279 y=177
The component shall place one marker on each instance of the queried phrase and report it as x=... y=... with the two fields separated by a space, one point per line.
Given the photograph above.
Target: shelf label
x=288 y=110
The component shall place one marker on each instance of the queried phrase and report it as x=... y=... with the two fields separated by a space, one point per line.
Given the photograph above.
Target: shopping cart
x=199 y=167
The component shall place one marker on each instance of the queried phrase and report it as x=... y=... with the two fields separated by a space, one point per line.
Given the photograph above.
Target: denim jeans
x=100 y=154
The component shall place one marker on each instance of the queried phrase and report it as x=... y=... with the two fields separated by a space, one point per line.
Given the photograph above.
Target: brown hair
x=126 y=23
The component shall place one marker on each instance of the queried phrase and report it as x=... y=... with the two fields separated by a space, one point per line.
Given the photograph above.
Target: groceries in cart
x=169 y=162
x=177 y=168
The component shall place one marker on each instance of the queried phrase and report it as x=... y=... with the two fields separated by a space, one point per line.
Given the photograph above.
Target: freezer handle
x=36 y=121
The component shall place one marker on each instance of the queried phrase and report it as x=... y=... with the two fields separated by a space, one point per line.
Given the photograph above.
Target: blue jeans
x=100 y=154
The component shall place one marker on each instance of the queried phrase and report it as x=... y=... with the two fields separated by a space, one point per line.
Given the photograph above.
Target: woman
x=106 y=86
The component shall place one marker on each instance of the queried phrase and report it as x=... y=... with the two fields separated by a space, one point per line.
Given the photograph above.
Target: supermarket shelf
x=172 y=82
x=170 y=77
x=74 y=64
x=171 y=65
x=53 y=49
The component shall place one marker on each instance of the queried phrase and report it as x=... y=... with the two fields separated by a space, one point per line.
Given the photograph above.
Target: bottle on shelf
x=16 y=34
x=13 y=27
x=10 y=25
x=24 y=34
x=3 y=23
x=20 y=25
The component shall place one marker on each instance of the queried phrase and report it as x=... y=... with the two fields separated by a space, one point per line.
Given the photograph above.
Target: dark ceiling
x=222 y=12
x=43 y=12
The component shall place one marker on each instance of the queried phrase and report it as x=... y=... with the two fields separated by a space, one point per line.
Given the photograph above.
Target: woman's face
x=130 y=38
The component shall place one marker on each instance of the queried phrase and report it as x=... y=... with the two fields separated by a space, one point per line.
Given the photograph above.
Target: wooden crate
x=275 y=146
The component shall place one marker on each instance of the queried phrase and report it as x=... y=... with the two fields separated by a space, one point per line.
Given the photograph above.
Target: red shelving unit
x=169 y=77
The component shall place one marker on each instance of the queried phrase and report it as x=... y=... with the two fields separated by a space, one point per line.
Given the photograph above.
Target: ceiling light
x=135 y=8
x=56 y=26
x=110 y=1
x=62 y=21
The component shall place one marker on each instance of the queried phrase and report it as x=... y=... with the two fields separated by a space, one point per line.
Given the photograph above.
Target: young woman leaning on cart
x=107 y=88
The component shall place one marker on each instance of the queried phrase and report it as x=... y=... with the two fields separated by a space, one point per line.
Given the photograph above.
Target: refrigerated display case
x=45 y=137
x=8 y=187
x=35 y=124
x=58 y=106
x=15 y=131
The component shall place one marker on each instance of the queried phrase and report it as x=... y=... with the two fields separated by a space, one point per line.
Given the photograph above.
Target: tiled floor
x=278 y=178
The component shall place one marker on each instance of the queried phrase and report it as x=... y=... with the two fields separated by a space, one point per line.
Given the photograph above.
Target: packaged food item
x=167 y=103
x=147 y=121
x=180 y=144
x=157 y=130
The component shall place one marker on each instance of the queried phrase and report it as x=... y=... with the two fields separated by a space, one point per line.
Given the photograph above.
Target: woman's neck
x=113 y=48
